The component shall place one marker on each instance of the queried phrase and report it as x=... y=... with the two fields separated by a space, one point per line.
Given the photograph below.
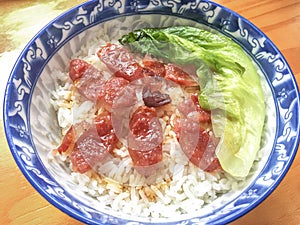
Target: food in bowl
x=159 y=120
x=33 y=129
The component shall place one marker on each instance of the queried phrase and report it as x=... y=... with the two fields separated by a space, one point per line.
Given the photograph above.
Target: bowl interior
x=108 y=31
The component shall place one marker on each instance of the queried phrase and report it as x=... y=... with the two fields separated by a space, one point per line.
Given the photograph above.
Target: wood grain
x=279 y=19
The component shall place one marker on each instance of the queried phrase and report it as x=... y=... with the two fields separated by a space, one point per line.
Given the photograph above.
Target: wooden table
x=20 y=204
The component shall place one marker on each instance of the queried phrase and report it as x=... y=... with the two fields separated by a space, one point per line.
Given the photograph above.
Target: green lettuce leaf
x=229 y=86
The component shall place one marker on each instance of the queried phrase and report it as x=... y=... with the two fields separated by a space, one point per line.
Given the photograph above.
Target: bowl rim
x=72 y=212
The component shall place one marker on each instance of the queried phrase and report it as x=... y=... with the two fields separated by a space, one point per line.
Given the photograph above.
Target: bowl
x=32 y=130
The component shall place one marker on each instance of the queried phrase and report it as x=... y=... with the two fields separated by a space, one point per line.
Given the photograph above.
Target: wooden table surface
x=20 y=204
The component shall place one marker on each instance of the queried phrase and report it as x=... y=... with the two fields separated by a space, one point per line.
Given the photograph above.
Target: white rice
x=172 y=190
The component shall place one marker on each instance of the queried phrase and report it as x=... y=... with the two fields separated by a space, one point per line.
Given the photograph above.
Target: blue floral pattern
x=47 y=42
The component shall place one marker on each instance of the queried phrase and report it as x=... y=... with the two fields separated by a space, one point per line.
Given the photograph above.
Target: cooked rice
x=173 y=189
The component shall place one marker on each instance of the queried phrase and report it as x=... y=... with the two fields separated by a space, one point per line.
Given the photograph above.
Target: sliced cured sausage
x=88 y=80
x=157 y=67
x=120 y=62
x=79 y=163
x=106 y=131
x=77 y=68
x=145 y=138
x=197 y=143
x=110 y=90
x=179 y=76
x=94 y=144
x=89 y=151
x=68 y=141
x=191 y=109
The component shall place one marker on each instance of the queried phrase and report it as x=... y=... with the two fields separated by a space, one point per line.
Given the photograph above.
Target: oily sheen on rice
x=115 y=184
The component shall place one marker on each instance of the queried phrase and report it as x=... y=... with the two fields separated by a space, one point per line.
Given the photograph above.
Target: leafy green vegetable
x=229 y=86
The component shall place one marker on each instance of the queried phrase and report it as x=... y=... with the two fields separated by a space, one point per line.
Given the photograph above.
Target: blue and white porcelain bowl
x=30 y=120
